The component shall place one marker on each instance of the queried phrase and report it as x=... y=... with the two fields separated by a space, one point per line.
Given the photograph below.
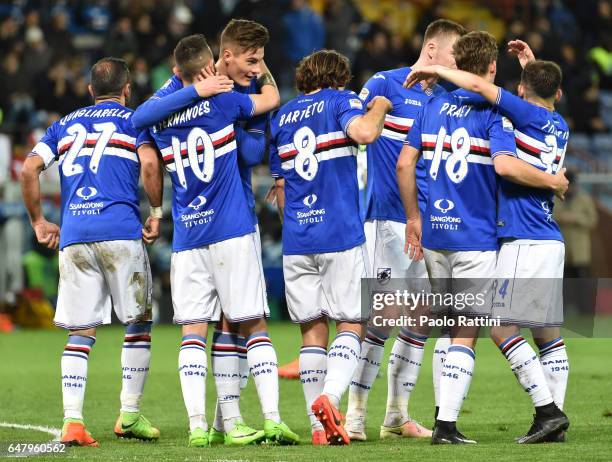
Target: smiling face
x=243 y=65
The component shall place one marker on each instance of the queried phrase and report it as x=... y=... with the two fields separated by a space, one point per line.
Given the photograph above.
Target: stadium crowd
x=47 y=49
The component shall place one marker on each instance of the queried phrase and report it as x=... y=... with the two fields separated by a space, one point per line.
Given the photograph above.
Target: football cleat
x=215 y=436
x=319 y=438
x=242 y=435
x=290 y=370
x=198 y=438
x=447 y=433
x=74 y=433
x=279 y=433
x=135 y=425
x=410 y=429
x=355 y=428
x=545 y=427
x=331 y=419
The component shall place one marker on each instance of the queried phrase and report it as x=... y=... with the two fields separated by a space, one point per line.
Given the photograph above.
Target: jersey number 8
x=306 y=163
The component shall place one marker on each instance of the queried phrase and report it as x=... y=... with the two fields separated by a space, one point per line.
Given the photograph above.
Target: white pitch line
x=55 y=432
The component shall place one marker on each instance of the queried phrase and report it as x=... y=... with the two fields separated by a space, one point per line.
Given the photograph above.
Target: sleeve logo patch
x=355 y=103
x=507 y=124
x=364 y=94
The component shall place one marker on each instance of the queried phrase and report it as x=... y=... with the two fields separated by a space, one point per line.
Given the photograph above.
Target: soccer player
x=463 y=140
x=531 y=243
x=215 y=265
x=384 y=230
x=313 y=158
x=241 y=60
x=103 y=262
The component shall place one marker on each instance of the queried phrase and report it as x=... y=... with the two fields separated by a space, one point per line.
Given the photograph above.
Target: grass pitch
x=495 y=412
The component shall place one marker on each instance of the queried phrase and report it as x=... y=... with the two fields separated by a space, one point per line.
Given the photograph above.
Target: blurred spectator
x=58 y=36
x=373 y=57
x=121 y=40
x=341 y=23
x=577 y=217
x=41 y=270
x=36 y=56
x=304 y=31
x=141 y=80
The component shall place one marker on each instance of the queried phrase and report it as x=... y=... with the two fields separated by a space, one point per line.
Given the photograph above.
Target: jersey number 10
x=205 y=173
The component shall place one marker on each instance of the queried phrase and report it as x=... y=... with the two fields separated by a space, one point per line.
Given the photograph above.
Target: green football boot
x=279 y=433
x=135 y=425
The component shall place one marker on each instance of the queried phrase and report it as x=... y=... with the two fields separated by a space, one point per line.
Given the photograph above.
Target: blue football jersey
x=458 y=142
x=541 y=140
x=174 y=84
x=310 y=149
x=95 y=148
x=383 y=200
x=198 y=148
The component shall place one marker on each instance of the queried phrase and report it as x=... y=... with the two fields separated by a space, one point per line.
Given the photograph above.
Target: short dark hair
x=443 y=27
x=542 y=78
x=191 y=54
x=322 y=69
x=475 y=51
x=109 y=76
x=248 y=35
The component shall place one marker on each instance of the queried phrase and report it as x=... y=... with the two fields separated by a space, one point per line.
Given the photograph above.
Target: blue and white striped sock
x=455 y=381
x=192 y=372
x=554 y=360
x=135 y=361
x=264 y=369
x=527 y=369
x=372 y=349
x=342 y=360
x=313 y=367
x=226 y=371
x=402 y=373
x=74 y=374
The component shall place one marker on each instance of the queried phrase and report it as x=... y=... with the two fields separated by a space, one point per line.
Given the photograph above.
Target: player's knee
x=200 y=329
x=84 y=332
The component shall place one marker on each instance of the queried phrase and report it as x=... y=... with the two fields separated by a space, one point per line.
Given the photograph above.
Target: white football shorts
x=529 y=284
x=226 y=276
x=385 y=241
x=467 y=275
x=98 y=276
x=326 y=284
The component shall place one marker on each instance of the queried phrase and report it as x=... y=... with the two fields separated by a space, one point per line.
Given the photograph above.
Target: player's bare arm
x=406 y=180
x=522 y=51
x=279 y=189
x=463 y=79
x=367 y=128
x=520 y=172
x=47 y=233
x=153 y=183
x=269 y=98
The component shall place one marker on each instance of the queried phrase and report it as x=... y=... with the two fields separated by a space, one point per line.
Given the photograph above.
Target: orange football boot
x=331 y=419
x=74 y=433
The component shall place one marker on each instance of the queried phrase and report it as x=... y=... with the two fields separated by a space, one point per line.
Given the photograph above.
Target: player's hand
x=426 y=74
x=150 y=230
x=561 y=183
x=413 y=247
x=380 y=100
x=522 y=51
x=271 y=195
x=47 y=233
x=214 y=85
x=207 y=71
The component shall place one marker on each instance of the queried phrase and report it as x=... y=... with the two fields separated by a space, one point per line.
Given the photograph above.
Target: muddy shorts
x=96 y=277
